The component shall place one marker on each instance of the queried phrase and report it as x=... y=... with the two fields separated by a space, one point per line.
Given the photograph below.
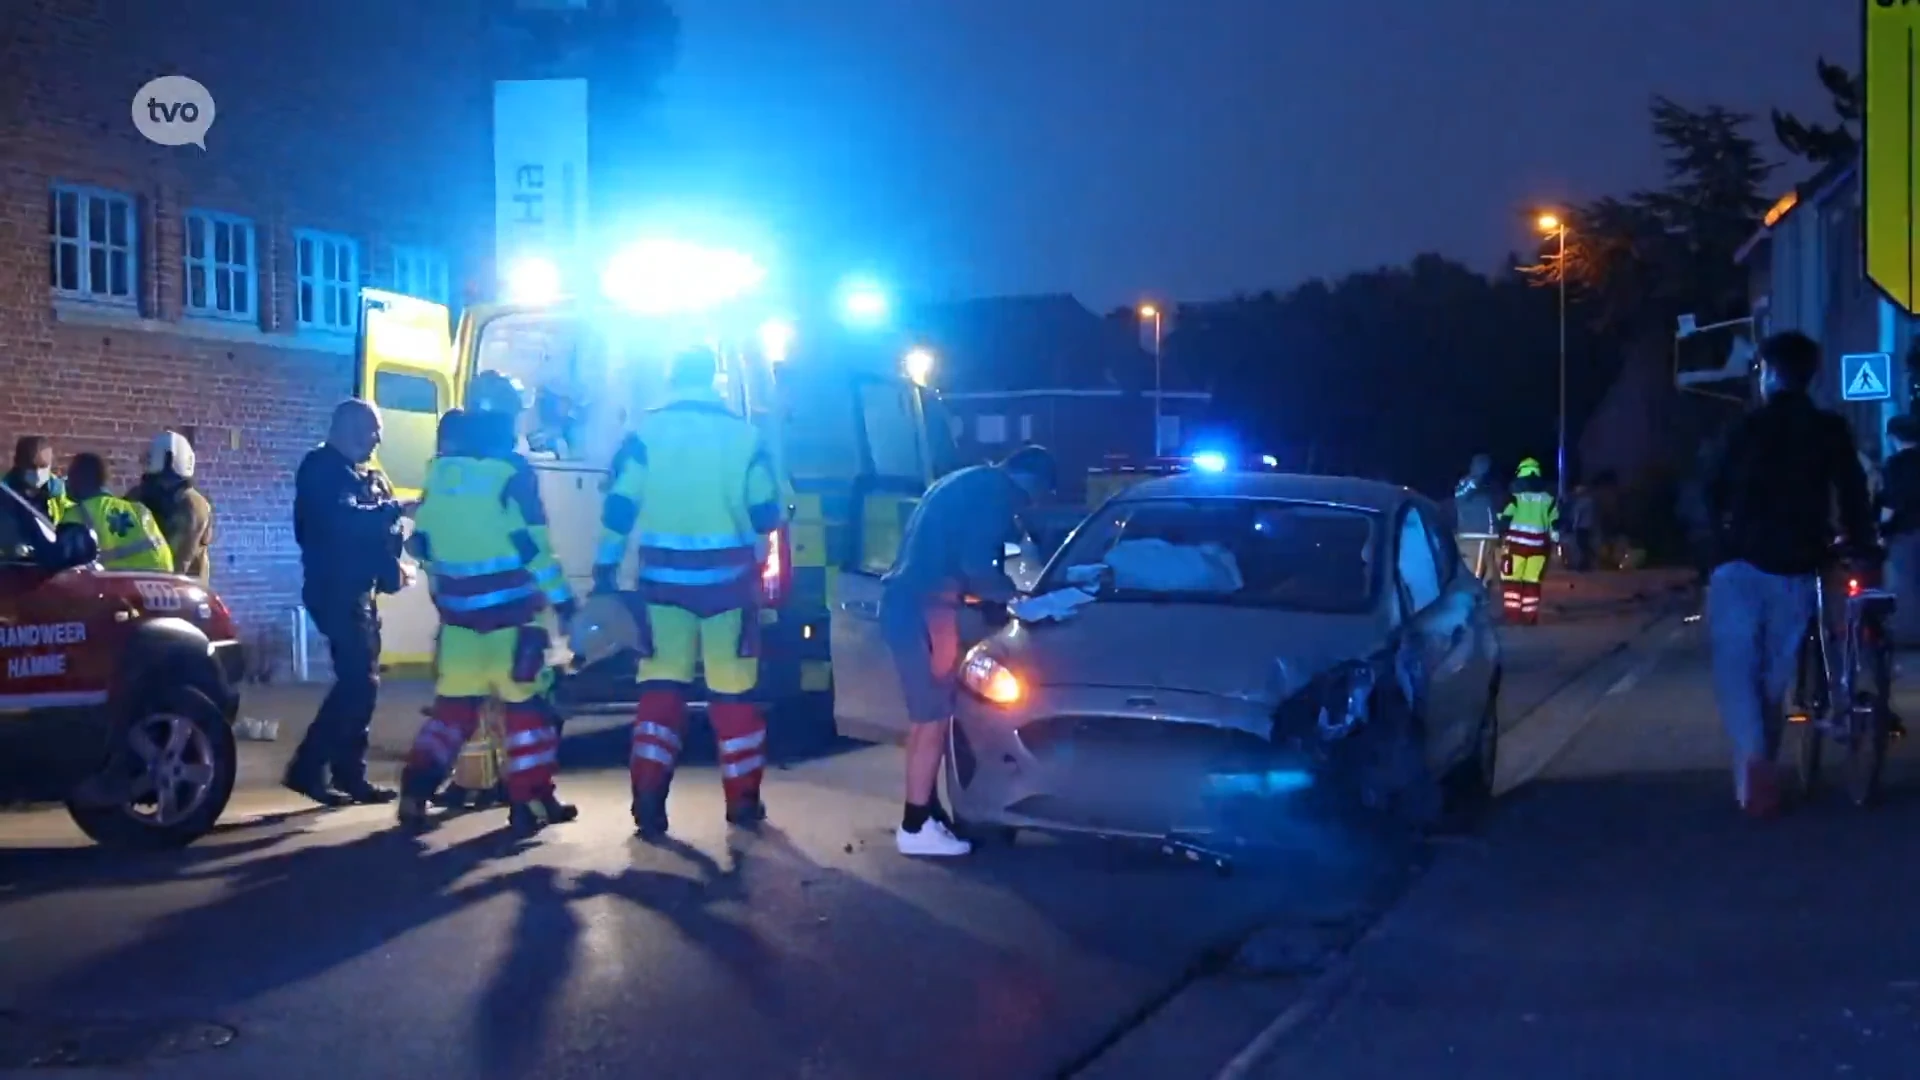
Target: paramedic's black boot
x=455 y=798
x=416 y=793
x=747 y=813
x=650 y=814
x=528 y=818
x=412 y=812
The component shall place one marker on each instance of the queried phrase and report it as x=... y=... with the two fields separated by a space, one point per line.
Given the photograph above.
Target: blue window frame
x=221 y=266
x=92 y=235
x=327 y=280
x=421 y=272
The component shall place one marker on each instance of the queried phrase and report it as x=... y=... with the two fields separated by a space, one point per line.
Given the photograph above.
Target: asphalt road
x=310 y=944
x=1621 y=919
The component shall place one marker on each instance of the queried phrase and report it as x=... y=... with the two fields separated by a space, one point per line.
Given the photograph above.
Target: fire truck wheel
x=180 y=762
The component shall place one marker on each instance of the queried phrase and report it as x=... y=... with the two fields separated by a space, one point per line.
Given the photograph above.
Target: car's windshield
x=1251 y=552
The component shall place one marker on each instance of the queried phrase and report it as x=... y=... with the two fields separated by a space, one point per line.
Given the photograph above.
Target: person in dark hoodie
x=185 y=515
x=32 y=477
x=1784 y=469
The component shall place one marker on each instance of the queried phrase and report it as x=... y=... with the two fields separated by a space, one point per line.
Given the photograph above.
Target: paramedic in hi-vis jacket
x=481 y=533
x=698 y=486
x=1532 y=521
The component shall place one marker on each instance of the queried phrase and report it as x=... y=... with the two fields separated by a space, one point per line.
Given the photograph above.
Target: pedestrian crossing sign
x=1866 y=377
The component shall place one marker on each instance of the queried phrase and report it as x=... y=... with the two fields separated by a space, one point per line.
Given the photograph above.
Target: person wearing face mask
x=1771 y=499
x=184 y=514
x=32 y=477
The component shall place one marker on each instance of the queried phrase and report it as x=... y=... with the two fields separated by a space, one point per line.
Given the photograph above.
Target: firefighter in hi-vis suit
x=481 y=533
x=1530 y=522
x=698 y=485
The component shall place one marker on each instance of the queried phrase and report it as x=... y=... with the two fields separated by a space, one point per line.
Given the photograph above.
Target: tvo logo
x=174 y=110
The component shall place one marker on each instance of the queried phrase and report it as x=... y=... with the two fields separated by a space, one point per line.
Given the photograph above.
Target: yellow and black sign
x=1890 y=169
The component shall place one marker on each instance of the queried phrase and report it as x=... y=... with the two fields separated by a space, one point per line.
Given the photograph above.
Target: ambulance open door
x=406 y=366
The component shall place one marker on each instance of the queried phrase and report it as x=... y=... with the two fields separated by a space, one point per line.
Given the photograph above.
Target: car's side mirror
x=73 y=545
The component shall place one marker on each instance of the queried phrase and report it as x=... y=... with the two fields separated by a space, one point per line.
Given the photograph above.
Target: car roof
x=1352 y=491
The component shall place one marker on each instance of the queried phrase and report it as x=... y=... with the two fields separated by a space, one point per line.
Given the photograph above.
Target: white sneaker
x=933 y=839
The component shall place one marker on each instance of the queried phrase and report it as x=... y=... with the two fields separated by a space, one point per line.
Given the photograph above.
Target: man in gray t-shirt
x=951 y=552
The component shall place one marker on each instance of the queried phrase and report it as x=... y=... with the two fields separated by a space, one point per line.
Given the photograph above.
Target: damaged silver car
x=1230 y=652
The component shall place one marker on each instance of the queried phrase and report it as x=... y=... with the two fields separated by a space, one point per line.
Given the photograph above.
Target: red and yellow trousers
x=1523 y=564
x=472 y=667
x=726 y=644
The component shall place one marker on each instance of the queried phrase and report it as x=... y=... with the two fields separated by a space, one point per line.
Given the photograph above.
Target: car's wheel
x=181 y=761
x=1469 y=786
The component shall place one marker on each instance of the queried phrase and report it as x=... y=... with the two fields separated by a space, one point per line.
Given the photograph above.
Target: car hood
x=1254 y=654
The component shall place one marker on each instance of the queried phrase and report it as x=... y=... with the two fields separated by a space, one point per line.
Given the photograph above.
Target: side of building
x=1807 y=274
x=215 y=291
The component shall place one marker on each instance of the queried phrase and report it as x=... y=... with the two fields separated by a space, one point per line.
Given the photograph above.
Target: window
x=409 y=406
x=220 y=265
x=327 y=280
x=990 y=428
x=90 y=235
x=1419 y=573
x=406 y=392
x=1446 y=552
x=1026 y=427
x=893 y=431
x=421 y=272
x=1233 y=552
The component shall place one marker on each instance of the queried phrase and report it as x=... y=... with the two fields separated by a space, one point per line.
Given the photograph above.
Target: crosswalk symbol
x=1866 y=384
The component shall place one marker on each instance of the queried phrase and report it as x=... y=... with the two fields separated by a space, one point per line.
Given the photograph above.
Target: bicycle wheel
x=1867 y=748
x=1809 y=704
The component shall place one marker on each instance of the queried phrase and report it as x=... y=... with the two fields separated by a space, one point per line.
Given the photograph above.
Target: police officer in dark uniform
x=348 y=527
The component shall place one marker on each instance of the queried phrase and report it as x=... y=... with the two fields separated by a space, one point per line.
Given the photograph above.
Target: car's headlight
x=990 y=680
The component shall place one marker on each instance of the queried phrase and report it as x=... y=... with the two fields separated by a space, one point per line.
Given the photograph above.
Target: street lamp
x=1152 y=311
x=1552 y=225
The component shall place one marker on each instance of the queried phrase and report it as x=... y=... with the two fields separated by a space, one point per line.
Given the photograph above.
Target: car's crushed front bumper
x=1139 y=763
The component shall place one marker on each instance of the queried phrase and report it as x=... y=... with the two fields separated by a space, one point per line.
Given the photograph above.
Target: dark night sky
x=1191 y=148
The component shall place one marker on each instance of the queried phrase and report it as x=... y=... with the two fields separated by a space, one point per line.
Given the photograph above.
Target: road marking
x=1318 y=999
x=1551 y=738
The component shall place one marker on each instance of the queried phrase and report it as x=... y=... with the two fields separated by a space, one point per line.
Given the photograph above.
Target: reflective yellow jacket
x=481 y=533
x=698 y=486
x=129 y=537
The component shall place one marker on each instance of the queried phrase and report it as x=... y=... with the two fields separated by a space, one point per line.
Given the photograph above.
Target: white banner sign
x=539 y=172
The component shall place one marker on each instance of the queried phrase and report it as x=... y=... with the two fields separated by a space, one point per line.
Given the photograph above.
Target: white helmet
x=175 y=445
x=604 y=627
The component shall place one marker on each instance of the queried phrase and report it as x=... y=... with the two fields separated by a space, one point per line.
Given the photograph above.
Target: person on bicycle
x=1771 y=497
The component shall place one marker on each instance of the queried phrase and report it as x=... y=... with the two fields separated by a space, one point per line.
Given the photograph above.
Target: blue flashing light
x=1269 y=461
x=1210 y=461
x=864 y=303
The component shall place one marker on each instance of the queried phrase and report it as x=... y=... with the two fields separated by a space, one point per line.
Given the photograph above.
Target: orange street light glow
x=1549 y=223
x=1148 y=311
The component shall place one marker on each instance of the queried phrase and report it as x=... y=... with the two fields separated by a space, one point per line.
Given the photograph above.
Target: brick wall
x=369 y=120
